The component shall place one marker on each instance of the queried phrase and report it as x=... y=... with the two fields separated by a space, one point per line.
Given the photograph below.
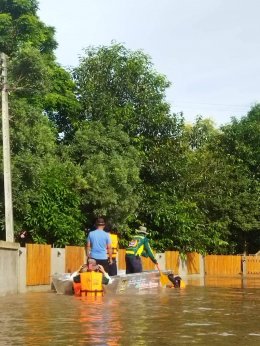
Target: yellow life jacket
x=114 y=245
x=136 y=246
x=91 y=284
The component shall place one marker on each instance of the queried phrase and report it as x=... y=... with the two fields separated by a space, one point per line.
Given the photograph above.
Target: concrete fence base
x=9 y=268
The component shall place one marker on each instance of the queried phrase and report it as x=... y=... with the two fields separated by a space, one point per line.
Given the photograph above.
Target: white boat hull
x=120 y=283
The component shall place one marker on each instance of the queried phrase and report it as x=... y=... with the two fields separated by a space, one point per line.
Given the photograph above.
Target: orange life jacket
x=91 y=284
x=77 y=288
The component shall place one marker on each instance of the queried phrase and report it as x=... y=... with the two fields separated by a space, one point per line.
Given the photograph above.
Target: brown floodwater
x=219 y=312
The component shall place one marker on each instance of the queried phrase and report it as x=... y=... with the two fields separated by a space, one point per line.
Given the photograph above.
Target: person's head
x=83 y=269
x=142 y=230
x=100 y=223
x=92 y=265
x=176 y=280
x=23 y=234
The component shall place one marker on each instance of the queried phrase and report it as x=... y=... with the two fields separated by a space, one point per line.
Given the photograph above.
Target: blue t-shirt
x=99 y=240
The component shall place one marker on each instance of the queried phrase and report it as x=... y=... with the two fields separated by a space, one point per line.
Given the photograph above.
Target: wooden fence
x=223 y=265
x=121 y=259
x=74 y=257
x=172 y=261
x=252 y=264
x=193 y=263
x=38 y=263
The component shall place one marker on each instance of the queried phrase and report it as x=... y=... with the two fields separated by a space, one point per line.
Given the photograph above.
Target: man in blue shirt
x=99 y=244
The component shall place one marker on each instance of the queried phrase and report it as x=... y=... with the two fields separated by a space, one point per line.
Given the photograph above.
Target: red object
x=77 y=288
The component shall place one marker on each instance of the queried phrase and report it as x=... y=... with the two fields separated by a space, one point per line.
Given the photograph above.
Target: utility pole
x=9 y=224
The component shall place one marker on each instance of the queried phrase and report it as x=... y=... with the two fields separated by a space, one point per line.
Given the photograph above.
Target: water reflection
x=218 y=314
x=238 y=281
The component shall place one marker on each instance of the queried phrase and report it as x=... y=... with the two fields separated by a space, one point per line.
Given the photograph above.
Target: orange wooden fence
x=121 y=259
x=172 y=261
x=253 y=264
x=193 y=263
x=74 y=258
x=223 y=265
x=38 y=264
x=148 y=264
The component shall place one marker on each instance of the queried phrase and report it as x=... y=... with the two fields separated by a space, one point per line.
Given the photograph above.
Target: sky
x=208 y=49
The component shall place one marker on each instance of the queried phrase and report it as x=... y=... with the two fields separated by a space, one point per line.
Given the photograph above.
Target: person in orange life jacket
x=112 y=270
x=75 y=278
x=98 y=244
x=138 y=246
x=89 y=267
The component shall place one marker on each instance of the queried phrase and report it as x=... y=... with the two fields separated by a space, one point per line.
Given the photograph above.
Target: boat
x=120 y=283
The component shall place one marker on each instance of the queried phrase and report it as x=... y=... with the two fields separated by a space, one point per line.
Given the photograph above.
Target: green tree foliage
x=105 y=143
x=223 y=187
x=46 y=188
x=120 y=87
x=240 y=143
x=46 y=185
x=114 y=83
x=55 y=215
x=61 y=104
x=170 y=207
x=33 y=71
x=28 y=75
x=20 y=25
x=110 y=168
x=241 y=140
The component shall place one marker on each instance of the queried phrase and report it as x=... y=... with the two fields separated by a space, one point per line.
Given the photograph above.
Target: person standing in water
x=98 y=244
x=138 y=246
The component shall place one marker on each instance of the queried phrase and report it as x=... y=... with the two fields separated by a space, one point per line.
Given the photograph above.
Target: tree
x=221 y=180
x=110 y=167
x=46 y=185
x=240 y=143
x=241 y=140
x=171 y=208
x=116 y=84
x=119 y=87
x=61 y=104
x=20 y=25
x=33 y=71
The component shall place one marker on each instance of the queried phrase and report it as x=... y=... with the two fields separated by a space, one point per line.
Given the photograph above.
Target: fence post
x=202 y=265
x=244 y=269
x=183 y=271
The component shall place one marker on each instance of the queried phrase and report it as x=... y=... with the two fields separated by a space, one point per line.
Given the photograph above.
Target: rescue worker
x=90 y=279
x=112 y=270
x=176 y=281
x=137 y=247
x=98 y=243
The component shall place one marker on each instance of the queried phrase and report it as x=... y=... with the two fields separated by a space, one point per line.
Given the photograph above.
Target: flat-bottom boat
x=120 y=283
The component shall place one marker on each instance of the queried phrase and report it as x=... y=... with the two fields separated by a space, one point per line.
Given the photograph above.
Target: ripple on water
x=199 y=315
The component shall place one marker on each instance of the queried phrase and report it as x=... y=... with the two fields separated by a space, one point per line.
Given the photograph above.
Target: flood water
x=215 y=314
